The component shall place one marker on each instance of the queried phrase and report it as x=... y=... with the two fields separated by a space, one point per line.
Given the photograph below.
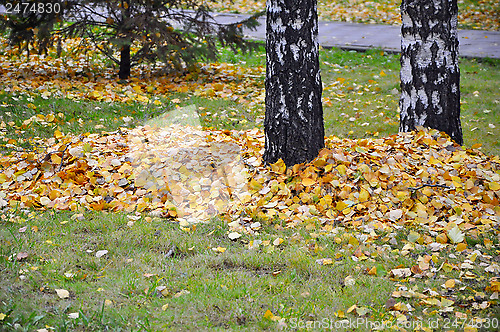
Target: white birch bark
x=294 y=116
x=430 y=75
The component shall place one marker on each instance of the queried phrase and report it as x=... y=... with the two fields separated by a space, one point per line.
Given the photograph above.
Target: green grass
x=97 y=117
x=158 y=277
x=230 y=290
x=366 y=102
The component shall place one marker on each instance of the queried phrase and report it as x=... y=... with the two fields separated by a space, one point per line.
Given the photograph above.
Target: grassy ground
x=155 y=276
x=361 y=93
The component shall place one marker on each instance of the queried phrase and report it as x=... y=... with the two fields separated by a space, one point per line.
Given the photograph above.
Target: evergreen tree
x=173 y=32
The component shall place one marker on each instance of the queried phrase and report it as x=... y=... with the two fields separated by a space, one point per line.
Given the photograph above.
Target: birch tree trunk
x=430 y=76
x=294 y=114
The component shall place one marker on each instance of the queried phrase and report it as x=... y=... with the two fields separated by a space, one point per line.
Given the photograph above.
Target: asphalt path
x=360 y=37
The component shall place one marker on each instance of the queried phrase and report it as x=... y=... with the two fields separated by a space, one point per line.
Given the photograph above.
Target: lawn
x=268 y=261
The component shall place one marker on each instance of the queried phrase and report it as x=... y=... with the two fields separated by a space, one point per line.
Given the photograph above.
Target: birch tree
x=430 y=75
x=293 y=123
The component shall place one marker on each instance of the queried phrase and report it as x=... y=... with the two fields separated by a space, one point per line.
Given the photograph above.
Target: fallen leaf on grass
x=62 y=293
x=22 y=255
x=456 y=235
x=450 y=283
x=234 y=235
x=269 y=315
x=349 y=281
x=219 y=249
x=277 y=241
x=401 y=273
x=101 y=253
x=181 y=293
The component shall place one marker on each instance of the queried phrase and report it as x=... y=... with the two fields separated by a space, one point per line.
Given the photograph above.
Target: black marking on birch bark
x=294 y=114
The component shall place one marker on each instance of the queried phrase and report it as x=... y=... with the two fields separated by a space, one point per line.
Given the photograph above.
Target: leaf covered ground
x=483 y=15
x=411 y=213
x=360 y=192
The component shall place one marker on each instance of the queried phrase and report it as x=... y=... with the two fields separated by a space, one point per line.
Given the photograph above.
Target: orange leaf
x=308 y=182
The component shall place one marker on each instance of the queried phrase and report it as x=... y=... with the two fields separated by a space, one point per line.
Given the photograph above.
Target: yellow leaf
x=341 y=205
x=446 y=303
x=461 y=247
x=442 y=238
x=50 y=117
x=494 y=286
x=268 y=315
x=308 y=182
x=494 y=186
x=364 y=195
x=2 y=316
x=327 y=261
x=447 y=267
x=352 y=308
x=55 y=159
x=373 y=271
x=450 y=283
x=382 y=74
x=400 y=306
x=342 y=169
x=254 y=185
x=353 y=241
x=278 y=241
x=58 y=134
x=219 y=249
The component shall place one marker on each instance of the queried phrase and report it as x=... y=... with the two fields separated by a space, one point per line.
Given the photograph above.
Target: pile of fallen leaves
x=419 y=179
x=478 y=14
x=411 y=179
